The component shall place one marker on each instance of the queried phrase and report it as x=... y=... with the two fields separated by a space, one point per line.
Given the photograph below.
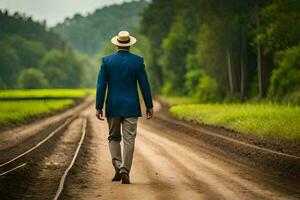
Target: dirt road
x=168 y=164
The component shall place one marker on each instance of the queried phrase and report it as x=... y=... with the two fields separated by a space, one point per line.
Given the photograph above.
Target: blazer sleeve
x=144 y=85
x=101 y=86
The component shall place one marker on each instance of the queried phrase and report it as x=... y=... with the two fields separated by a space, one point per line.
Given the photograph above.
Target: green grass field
x=265 y=120
x=45 y=93
x=19 y=111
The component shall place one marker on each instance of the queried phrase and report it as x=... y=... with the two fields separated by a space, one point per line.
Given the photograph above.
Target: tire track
x=201 y=167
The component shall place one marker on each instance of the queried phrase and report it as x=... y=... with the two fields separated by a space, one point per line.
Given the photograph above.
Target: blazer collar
x=123 y=51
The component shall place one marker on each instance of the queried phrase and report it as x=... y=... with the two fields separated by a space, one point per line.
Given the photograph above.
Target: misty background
x=54 y=11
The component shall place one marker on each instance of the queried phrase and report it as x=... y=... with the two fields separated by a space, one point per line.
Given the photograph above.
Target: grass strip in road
x=45 y=93
x=19 y=111
x=271 y=120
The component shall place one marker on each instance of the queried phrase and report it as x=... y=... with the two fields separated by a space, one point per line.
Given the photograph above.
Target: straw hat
x=123 y=39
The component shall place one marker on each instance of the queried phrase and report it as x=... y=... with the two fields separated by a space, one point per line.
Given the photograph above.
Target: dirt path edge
x=284 y=168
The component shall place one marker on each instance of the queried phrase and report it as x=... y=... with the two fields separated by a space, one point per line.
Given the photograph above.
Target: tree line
x=31 y=56
x=90 y=33
x=217 y=50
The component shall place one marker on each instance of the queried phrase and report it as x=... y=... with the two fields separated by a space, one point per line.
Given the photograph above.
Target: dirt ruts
x=170 y=163
x=173 y=160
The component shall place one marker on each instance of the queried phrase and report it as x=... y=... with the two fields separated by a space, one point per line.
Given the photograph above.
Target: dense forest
x=89 y=34
x=210 y=50
x=217 y=50
x=31 y=56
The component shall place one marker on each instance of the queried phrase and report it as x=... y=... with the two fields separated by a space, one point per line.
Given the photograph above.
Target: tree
x=62 y=69
x=32 y=78
x=229 y=44
x=89 y=34
x=174 y=50
x=207 y=89
x=28 y=51
x=25 y=27
x=286 y=77
x=281 y=25
x=23 y=42
x=278 y=33
x=9 y=66
x=193 y=74
x=156 y=22
x=89 y=72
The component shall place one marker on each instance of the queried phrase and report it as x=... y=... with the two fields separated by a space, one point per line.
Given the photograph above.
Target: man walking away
x=120 y=73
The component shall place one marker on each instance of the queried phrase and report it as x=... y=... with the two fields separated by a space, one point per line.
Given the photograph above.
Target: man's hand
x=99 y=114
x=149 y=113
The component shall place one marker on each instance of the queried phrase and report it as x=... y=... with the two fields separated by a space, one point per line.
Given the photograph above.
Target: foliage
x=32 y=78
x=89 y=71
x=206 y=89
x=282 y=25
x=292 y=98
x=90 y=33
x=211 y=58
x=210 y=50
x=286 y=78
x=155 y=24
x=25 y=27
x=232 y=42
x=193 y=74
x=28 y=51
x=20 y=111
x=174 y=49
x=9 y=66
x=27 y=44
x=62 y=69
x=270 y=120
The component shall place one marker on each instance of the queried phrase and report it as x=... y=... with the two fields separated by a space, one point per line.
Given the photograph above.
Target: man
x=120 y=73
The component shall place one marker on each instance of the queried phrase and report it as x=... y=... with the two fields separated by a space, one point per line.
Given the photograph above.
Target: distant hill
x=23 y=26
x=32 y=56
x=89 y=34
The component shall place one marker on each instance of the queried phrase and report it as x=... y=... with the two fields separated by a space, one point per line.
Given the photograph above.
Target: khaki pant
x=129 y=127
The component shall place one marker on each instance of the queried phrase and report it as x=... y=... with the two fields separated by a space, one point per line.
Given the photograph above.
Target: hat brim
x=115 y=41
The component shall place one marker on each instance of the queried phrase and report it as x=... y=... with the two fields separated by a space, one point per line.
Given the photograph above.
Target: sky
x=54 y=11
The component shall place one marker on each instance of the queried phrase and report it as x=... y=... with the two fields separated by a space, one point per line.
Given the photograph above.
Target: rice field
x=265 y=120
x=45 y=93
x=12 y=112
x=17 y=106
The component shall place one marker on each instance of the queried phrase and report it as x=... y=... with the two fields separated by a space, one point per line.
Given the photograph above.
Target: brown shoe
x=125 y=178
x=125 y=175
x=117 y=176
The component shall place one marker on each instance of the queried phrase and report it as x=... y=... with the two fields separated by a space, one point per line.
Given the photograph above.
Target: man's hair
x=128 y=47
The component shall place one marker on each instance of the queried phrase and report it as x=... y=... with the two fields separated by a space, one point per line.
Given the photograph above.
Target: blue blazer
x=120 y=73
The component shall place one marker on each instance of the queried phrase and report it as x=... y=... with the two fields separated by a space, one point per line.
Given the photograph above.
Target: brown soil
x=279 y=165
x=170 y=163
